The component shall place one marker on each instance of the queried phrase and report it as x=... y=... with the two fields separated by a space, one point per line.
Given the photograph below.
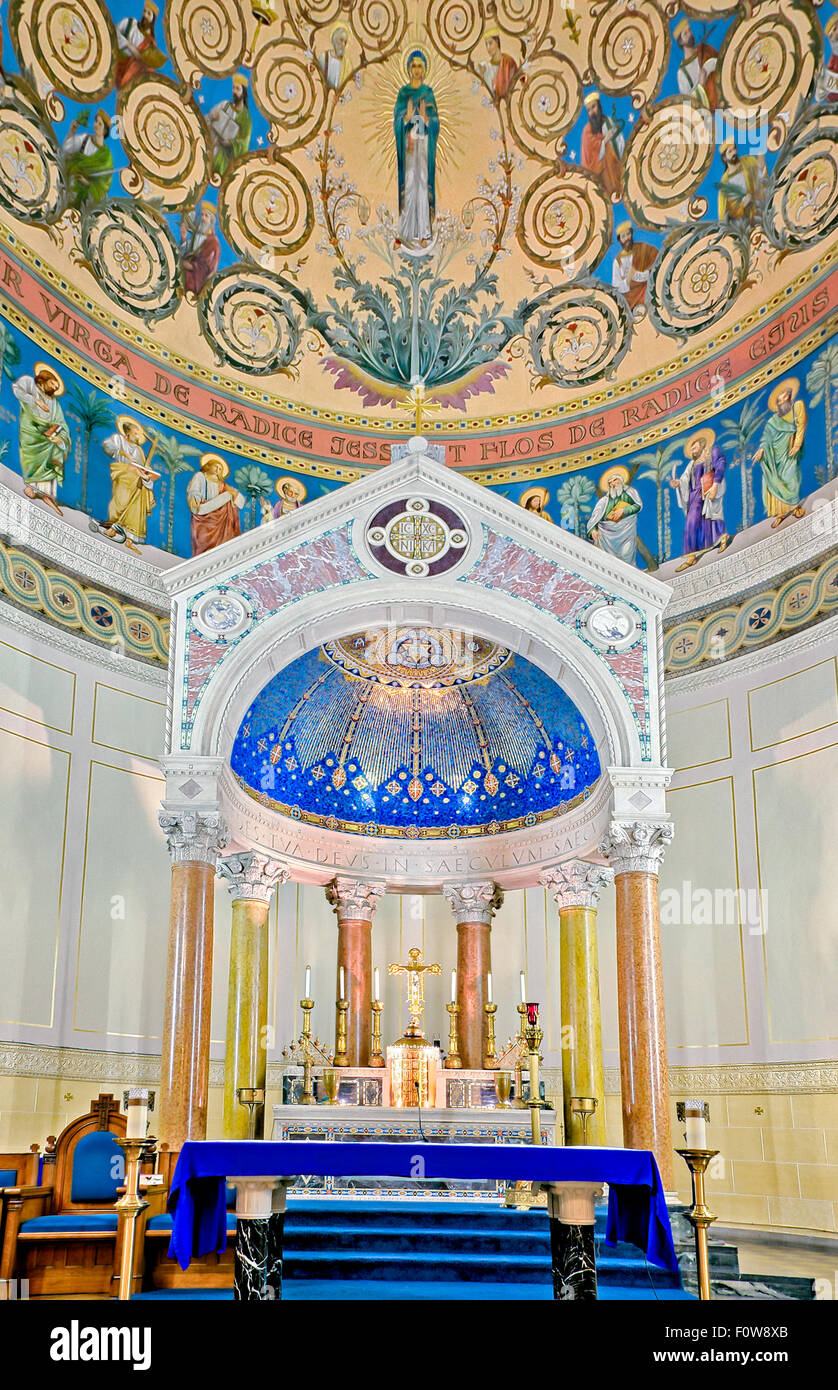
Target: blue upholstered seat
x=8 y=1177
x=98 y=1168
x=164 y=1222
x=70 y=1221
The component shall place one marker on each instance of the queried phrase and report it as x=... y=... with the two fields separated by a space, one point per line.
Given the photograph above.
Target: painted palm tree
x=174 y=457
x=821 y=383
x=657 y=467
x=9 y=353
x=736 y=441
x=256 y=485
x=576 y=498
x=93 y=413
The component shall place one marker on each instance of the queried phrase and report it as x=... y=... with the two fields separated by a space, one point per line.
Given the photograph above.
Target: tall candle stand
x=128 y=1208
x=376 y=1055
x=490 y=1056
x=307 y=1052
x=341 y=1054
x=534 y=1036
x=699 y=1214
x=453 y=1061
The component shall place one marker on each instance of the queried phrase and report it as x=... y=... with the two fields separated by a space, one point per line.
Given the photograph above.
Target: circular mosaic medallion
x=221 y=615
x=611 y=625
x=416 y=657
x=416 y=537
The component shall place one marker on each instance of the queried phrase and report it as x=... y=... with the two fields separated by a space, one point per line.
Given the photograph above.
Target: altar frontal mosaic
x=415 y=732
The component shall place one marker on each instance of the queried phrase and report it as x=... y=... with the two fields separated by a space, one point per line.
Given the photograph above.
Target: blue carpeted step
x=428 y=1266
x=468 y=1240
x=361 y=1291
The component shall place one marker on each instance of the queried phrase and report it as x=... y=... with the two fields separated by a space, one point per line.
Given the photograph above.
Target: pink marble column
x=474 y=905
x=635 y=850
x=194 y=839
x=354 y=903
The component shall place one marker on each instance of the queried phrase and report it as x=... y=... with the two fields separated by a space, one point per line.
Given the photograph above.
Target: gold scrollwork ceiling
x=406 y=193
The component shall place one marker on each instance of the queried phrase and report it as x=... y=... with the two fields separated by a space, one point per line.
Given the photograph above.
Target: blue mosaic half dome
x=415 y=732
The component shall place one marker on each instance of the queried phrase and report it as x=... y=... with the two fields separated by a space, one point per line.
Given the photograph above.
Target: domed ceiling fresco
x=590 y=251
x=415 y=732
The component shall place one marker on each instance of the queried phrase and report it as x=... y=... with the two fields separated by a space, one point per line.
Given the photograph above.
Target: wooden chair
x=20 y=1169
x=212 y=1271
x=61 y=1235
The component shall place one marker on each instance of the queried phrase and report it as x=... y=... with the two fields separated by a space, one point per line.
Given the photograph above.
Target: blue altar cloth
x=636 y=1207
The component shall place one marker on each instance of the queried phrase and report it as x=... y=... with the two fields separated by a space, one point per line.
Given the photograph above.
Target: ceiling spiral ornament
x=73 y=42
x=134 y=257
x=581 y=336
x=455 y=26
x=31 y=174
x=248 y=321
x=803 y=204
x=629 y=49
x=266 y=207
x=696 y=276
x=768 y=60
x=206 y=37
x=566 y=222
x=378 y=25
x=290 y=90
x=666 y=158
x=545 y=106
x=169 y=143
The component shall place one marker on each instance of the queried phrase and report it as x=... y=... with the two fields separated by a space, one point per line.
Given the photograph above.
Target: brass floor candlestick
x=128 y=1209
x=490 y=1056
x=534 y=1036
x=341 y=1055
x=699 y=1215
x=376 y=1055
x=453 y=1061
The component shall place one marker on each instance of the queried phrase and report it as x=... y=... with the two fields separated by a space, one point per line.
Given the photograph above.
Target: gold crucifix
x=415 y=971
x=416 y=399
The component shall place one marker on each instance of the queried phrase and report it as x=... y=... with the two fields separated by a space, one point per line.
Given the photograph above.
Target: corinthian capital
x=576 y=883
x=252 y=875
x=637 y=846
x=193 y=836
x=473 y=902
x=352 y=899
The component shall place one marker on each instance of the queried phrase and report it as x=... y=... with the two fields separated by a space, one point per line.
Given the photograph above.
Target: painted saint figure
x=44 y=435
x=603 y=145
x=334 y=64
x=780 y=452
x=612 y=524
x=500 y=71
x=740 y=184
x=132 y=482
x=215 y=506
x=291 y=493
x=535 y=499
x=416 y=128
x=200 y=247
x=700 y=491
x=89 y=162
x=697 y=70
x=230 y=126
x=826 y=83
x=137 y=45
x=632 y=263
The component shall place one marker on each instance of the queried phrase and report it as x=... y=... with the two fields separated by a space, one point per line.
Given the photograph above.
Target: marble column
x=354 y=903
x=254 y=1205
x=251 y=879
x=576 y=887
x=635 y=851
x=194 y=839
x=572 y=1214
x=473 y=905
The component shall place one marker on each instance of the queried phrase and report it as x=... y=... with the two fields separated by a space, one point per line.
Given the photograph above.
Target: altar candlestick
x=489 y=1000
x=523 y=989
x=453 y=986
x=377 y=985
x=136 y=1121
x=308 y=982
x=696 y=1125
x=342 y=984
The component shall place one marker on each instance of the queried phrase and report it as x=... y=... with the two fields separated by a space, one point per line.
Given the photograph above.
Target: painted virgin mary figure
x=416 y=128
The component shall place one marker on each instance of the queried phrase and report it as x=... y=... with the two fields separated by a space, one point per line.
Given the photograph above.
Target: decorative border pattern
x=128 y=628
x=756 y=620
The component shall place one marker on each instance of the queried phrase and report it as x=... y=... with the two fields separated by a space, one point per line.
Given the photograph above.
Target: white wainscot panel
x=698 y=735
x=793 y=705
x=36 y=689
x=797 y=830
x=129 y=723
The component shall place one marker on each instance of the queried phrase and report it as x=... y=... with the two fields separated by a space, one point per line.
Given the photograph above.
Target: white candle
x=489 y=988
x=376 y=986
x=308 y=982
x=453 y=986
x=523 y=989
x=137 y=1117
x=696 y=1125
x=342 y=984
